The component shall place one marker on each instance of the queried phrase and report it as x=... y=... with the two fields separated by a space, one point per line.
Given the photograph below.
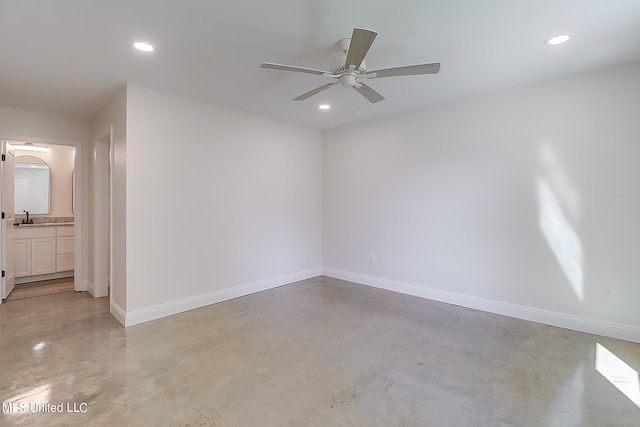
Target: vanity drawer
x=34 y=232
x=65 y=245
x=66 y=230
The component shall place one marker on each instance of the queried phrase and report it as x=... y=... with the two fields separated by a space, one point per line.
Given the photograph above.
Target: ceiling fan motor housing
x=339 y=58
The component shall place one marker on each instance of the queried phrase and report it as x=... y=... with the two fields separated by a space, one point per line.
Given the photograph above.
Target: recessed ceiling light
x=324 y=106
x=558 y=40
x=145 y=47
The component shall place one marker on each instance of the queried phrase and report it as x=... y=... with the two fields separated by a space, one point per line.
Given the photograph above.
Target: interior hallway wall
x=111 y=118
x=17 y=123
x=524 y=201
x=216 y=199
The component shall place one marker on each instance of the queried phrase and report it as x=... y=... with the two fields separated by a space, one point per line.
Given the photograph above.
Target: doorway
x=42 y=239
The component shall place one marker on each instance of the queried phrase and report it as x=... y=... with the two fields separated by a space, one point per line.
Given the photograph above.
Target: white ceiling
x=70 y=56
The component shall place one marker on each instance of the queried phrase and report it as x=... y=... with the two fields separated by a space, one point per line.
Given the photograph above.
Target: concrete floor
x=320 y=352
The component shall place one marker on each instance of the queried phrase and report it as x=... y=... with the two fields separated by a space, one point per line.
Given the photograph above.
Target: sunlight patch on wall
x=617 y=372
x=561 y=236
x=559 y=182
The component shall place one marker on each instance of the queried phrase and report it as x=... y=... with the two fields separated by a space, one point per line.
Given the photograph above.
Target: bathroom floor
x=320 y=352
x=38 y=289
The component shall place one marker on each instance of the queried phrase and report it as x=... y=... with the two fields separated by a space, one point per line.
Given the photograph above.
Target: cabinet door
x=43 y=255
x=22 y=257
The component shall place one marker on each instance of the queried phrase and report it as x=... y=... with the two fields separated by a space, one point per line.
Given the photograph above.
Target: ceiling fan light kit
x=350 y=70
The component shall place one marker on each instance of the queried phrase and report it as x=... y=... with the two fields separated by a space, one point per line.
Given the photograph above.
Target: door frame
x=102 y=173
x=79 y=204
x=7 y=253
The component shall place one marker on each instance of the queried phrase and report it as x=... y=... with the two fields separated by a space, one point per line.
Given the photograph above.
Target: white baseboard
x=134 y=317
x=91 y=288
x=597 y=327
x=83 y=285
x=118 y=313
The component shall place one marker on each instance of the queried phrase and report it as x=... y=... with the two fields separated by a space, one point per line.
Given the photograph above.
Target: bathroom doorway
x=40 y=245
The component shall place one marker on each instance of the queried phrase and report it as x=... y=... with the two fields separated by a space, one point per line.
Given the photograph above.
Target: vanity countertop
x=50 y=221
x=47 y=224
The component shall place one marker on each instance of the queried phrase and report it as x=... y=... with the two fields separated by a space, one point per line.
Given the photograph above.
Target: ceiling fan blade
x=293 y=68
x=314 y=91
x=369 y=93
x=361 y=41
x=408 y=70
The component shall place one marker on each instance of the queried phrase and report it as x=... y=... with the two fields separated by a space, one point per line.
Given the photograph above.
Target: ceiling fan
x=350 y=70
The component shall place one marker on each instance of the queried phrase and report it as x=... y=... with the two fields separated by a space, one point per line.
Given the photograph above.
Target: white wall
x=112 y=118
x=523 y=202
x=208 y=188
x=36 y=126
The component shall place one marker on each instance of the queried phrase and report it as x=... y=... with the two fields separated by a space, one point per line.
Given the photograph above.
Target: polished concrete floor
x=320 y=352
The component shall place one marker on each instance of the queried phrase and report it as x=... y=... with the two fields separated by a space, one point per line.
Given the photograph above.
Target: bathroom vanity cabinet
x=41 y=252
x=64 y=248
